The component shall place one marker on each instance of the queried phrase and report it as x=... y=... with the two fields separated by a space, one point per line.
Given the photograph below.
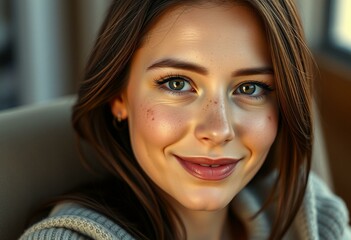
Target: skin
x=209 y=117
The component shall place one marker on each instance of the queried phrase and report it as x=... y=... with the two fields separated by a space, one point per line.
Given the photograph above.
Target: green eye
x=253 y=89
x=176 y=84
x=247 y=88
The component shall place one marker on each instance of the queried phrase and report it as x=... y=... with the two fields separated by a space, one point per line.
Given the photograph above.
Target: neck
x=206 y=225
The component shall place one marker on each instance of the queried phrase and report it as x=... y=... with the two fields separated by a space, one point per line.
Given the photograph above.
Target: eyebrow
x=179 y=64
x=174 y=63
x=253 y=71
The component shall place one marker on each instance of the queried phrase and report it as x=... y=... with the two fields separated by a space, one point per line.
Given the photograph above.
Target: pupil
x=177 y=85
x=248 y=89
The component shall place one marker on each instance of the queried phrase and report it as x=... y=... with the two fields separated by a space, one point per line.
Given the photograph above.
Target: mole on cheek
x=150 y=114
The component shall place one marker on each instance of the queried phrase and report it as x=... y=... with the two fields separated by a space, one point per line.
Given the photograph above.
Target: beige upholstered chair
x=38 y=160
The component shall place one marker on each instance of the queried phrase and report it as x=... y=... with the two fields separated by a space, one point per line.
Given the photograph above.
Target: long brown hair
x=106 y=77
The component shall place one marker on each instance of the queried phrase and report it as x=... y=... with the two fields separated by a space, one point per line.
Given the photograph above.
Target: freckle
x=215 y=102
x=269 y=118
x=149 y=113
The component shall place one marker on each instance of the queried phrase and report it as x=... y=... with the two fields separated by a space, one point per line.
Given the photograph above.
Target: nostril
x=215 y=137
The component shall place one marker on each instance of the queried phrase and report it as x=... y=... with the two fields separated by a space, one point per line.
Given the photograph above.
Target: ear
x=119 y=108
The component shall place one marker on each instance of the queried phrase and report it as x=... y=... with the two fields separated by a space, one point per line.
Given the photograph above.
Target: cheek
x=158 y=124
x=260 y=130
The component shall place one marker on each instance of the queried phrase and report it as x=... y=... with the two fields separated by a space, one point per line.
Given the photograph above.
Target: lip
x=223 y=167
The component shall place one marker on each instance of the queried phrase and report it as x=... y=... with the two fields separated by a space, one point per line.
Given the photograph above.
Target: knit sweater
x=322 y=216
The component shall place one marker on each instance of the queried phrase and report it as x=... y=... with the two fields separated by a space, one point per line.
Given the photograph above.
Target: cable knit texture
x=323 y=216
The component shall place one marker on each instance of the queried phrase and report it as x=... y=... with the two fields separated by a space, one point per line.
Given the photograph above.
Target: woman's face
x=200 y=103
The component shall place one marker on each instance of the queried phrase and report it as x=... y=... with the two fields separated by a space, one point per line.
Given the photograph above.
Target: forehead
x=204 y=31
x=184 y=17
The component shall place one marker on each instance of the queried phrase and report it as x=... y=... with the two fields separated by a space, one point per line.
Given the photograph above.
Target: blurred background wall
x=327 y=26
x=44 y=45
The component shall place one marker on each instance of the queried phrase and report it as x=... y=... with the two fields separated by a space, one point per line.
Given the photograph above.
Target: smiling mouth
x=207 y=165
x=208 y=169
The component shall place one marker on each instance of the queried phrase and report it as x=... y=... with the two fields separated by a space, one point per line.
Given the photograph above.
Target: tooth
x=215 y=165
x=204 y=165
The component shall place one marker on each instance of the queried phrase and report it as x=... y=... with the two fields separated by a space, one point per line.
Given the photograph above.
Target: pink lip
x=192 y=166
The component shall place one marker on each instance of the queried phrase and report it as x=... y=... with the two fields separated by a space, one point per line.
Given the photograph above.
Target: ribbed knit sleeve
x=73 y=222
x=323 y=216
x=332 y=214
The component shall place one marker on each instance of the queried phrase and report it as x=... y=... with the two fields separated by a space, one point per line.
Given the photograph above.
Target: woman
x=201 y=113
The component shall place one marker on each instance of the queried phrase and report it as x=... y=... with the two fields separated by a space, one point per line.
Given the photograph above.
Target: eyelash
x=265 y=88
x=163 y=80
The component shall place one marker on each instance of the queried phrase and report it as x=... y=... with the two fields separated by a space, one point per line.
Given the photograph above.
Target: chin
x=205 y=203
x=207 y=206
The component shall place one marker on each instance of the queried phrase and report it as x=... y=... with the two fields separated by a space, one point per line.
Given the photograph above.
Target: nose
x=215 y=124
